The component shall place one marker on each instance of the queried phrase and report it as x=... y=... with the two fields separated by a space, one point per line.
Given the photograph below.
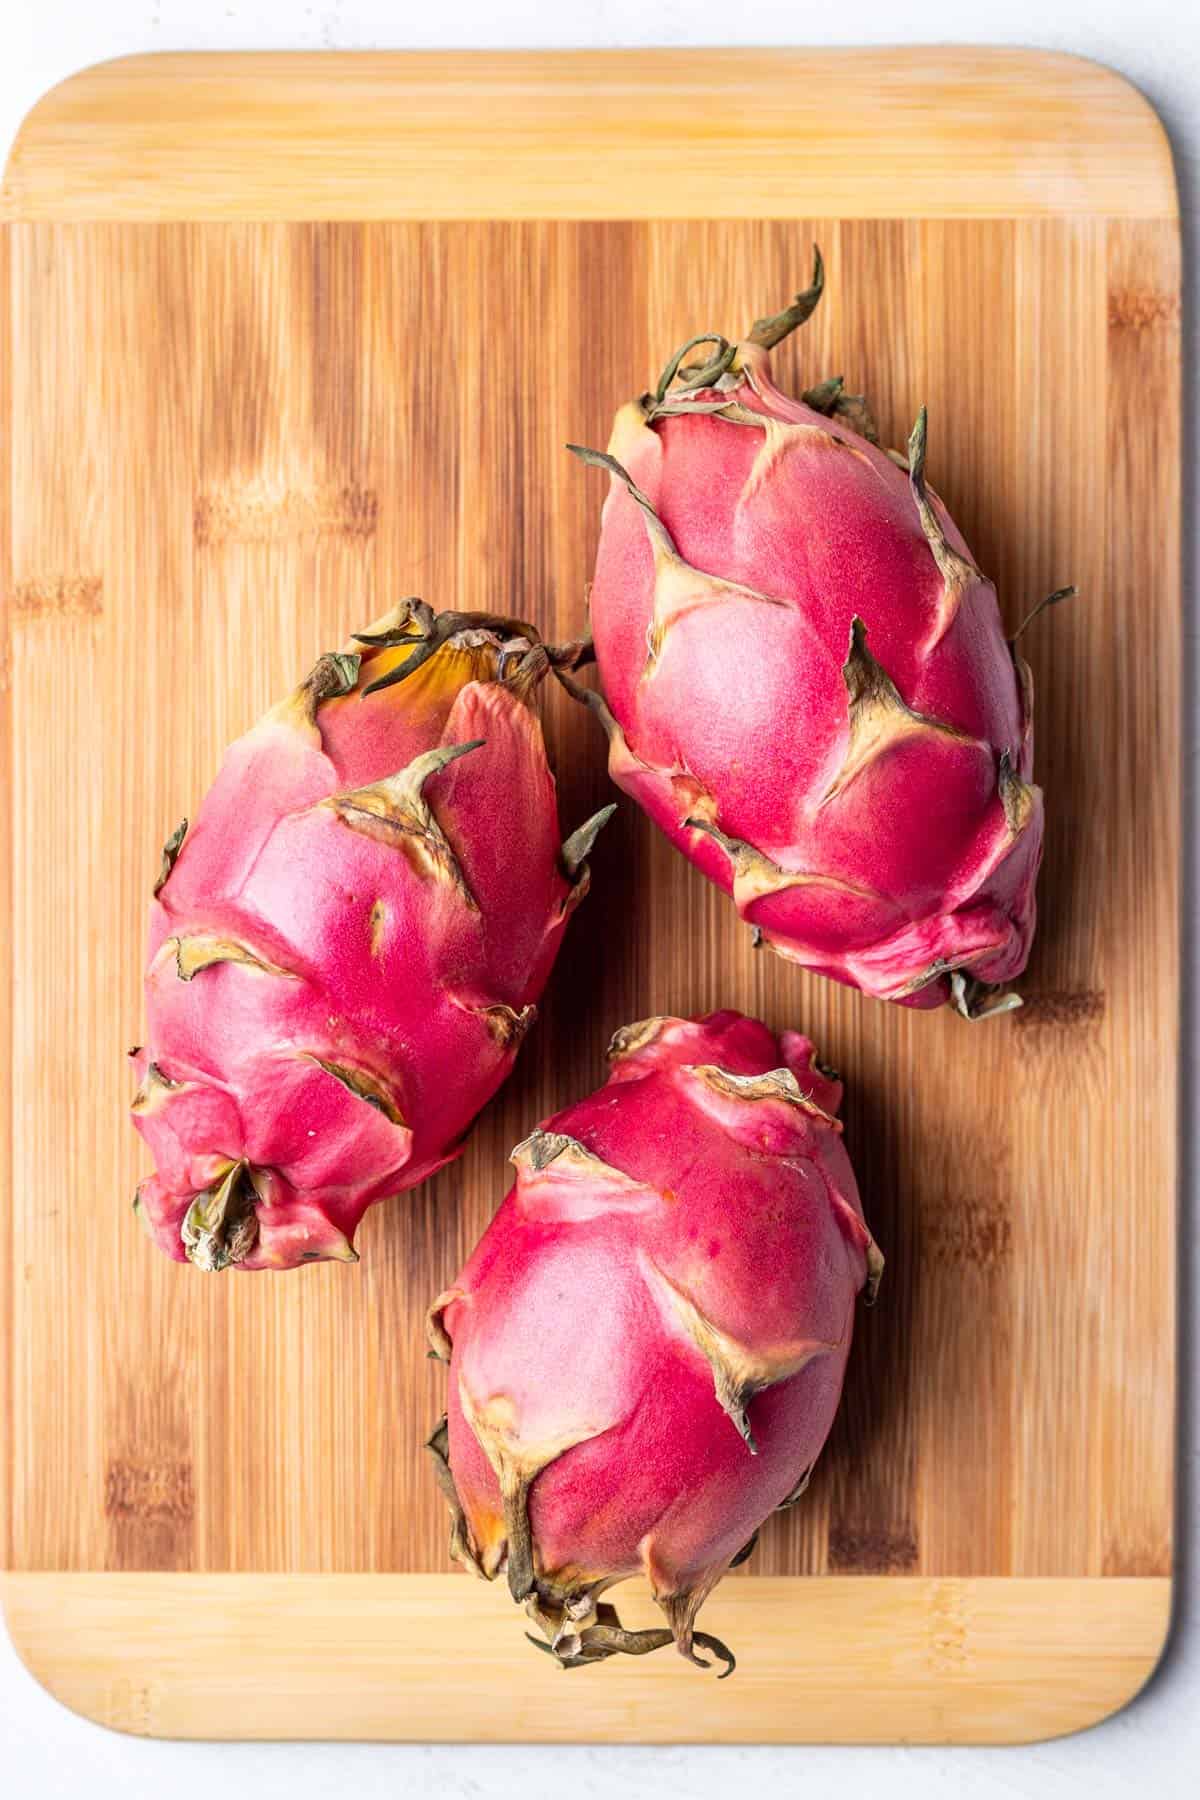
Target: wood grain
x=1143 y=370
x=298 y=360
x=230 y=443
x=612 y=134
x=394 y=1657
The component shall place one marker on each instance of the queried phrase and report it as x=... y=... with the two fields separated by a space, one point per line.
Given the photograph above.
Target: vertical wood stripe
x=1063 y=1089
x=233 y=444
x=1136 y=1385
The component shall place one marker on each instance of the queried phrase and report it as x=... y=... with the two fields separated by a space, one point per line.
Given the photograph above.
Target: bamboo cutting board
x=286 y=337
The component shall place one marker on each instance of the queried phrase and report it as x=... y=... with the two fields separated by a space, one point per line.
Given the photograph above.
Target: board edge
x=49 y=164
x=7 y=975
x=46 y=1606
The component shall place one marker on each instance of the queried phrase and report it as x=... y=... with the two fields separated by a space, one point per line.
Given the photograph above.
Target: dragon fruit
x=647 y=1347
x=806 y=683
x=347 y=946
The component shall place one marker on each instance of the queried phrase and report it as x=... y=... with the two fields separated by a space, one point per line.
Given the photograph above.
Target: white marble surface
x=1155 y=1743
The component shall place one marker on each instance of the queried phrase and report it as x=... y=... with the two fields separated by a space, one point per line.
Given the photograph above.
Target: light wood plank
x=62 y=582
x=1145 y=469
x=1065 y=1203
x=402 y=1657
x=893 y=133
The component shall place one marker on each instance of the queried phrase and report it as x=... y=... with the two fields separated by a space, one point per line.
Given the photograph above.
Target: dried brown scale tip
x=600 y=459
x=879 y=716
x=576 y=654
x=771 y=331
x=528 y=672
x=699 y=374
x=756 y=875
x=399 y=634
x=853 y=408
x=978 y=999
x=436 y=629
x=1016 y=796
x=681 y=1610
x=671 y=599
x=736 y=849
x=505 y=1025
x=1024 y=675
x=396 y=810
x=797 y=1493
x=739 y=1372
x=199 y=952
x=875 y=1267
x=435 y=1332
x=579 y=846
x=221 y=1226
x=331 y=675
x=934 y=971
x=363 y=1084
x=734 y=413
x=592 y=698
x=438 y=1446
x=746 y=1551
x=830 y=398
x=917 y=441
x=541 y=1148
x=629 y=1039
x=766 y=333
x=577 y=1662
x=713 y=409
x=1059 y=594
x=775 y=1084
x=153 y=1083
x=956 y=571
x=866 y=679
x=574 y=854
x=608 y=1637
x=578 y=1165
x=519 y=1566
x=641 y=1642
x=170 y=855
x=824 y=396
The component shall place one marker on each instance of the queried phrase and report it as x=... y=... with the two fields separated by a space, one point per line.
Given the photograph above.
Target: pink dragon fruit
x=647 y=1347
x=808 y=687
x=347 y=946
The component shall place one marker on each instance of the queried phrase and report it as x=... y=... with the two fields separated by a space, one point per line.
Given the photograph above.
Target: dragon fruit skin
x=348 y=944
x=808 y=685
x=647 y=1346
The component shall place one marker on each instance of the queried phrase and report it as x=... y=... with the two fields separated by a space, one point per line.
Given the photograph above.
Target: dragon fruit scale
x=646 y=1349
x=806 y=683
x=348 y=944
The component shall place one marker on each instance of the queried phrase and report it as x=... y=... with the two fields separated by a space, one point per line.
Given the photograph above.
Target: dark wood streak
x=59 y=596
